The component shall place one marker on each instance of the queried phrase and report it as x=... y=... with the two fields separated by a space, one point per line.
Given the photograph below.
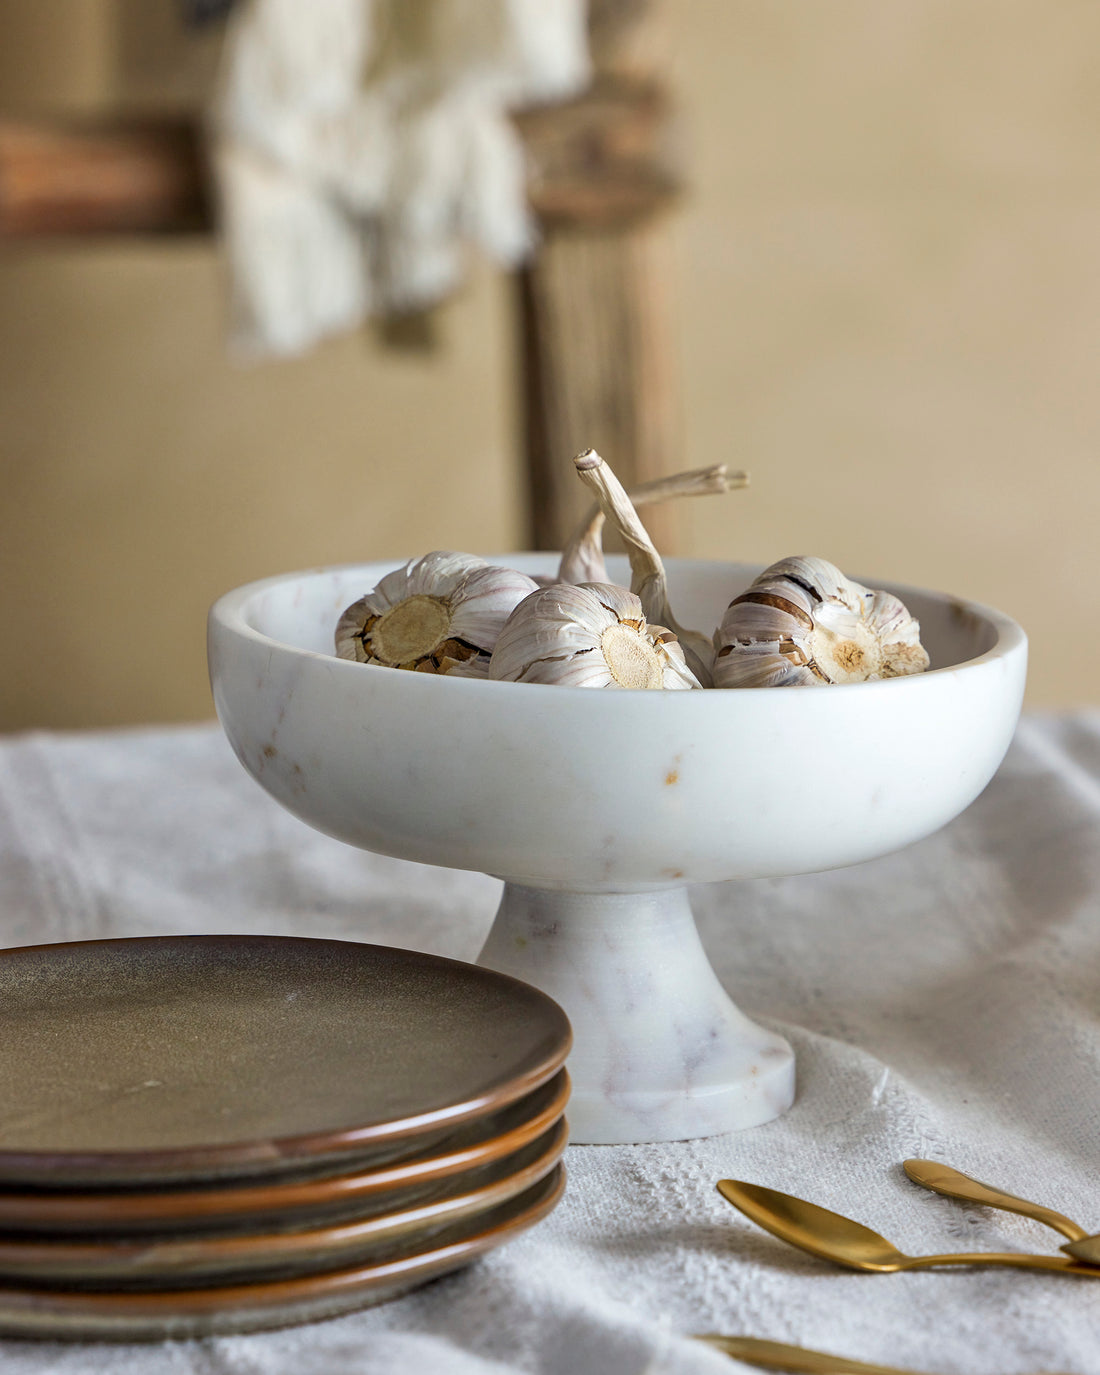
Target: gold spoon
x=942 y=1179
x=782 y=1356
x=839 y=1239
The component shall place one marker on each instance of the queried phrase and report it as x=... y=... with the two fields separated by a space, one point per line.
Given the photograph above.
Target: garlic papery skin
x=803 y=623
x=647 y=572
x=438 y=614
x=582 y=557
x=588 y=635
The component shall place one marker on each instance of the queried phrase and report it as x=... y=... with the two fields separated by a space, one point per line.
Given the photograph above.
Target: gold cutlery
x=783 y=1356
x=839 y=1239
x=942 y=1179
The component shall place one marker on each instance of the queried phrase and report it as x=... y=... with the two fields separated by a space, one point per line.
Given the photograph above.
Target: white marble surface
x=590 y=794
x=569 y=788
x=660 y=1052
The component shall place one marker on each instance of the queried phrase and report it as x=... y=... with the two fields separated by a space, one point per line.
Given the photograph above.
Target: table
x=942 y=1002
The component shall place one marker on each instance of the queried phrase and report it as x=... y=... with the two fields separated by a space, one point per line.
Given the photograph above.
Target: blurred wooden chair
x=594 y=327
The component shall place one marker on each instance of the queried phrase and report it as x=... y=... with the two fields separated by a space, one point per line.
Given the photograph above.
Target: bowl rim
x=229 y=612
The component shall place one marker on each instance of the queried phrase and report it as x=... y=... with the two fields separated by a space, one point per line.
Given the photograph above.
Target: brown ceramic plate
x=77 y=1315
x=172 y=1262
x=187 y=1058
x=225 y=1207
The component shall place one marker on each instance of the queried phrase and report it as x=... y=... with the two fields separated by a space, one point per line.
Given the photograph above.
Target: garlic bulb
x=802 y=622
x=588 y=635
x=438 y=614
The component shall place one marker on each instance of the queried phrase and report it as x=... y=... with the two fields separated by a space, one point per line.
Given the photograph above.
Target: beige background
x=888 y=305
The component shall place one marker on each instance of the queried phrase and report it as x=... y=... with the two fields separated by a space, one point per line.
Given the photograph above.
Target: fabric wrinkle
x=941 y=1002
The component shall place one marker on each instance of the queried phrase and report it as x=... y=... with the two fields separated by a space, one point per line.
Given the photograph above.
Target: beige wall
x=888 y=305
x=891 y=297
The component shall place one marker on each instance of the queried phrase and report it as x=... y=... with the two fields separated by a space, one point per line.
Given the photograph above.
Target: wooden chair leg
x=598 y=371
x=596 y=335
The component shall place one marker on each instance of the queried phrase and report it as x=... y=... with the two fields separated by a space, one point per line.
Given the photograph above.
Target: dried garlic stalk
x=582 y=558
x=802 y=622
x=648 y=580
x=587 y=635
x=438 y=614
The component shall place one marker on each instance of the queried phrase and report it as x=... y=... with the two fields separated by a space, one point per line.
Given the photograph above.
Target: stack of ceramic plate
x=223 y=1133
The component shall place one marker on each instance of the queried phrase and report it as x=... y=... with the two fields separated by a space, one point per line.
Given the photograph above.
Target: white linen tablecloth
x=942 y=1002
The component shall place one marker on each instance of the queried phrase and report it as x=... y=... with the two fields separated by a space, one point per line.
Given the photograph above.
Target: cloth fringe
x=359 y=146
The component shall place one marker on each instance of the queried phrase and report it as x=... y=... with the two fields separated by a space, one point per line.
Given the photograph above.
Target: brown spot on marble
x=672 y=778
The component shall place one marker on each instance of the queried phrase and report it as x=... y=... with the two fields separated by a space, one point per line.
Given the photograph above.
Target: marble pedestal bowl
x=598 y=808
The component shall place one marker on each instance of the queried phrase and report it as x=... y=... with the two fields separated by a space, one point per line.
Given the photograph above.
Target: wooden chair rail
x=138 y=176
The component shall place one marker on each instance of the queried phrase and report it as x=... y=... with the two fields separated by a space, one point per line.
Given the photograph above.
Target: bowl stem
x=660 y=1051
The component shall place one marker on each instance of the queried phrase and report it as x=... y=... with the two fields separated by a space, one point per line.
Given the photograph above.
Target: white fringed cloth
x=360 y=147
x=943 y=1002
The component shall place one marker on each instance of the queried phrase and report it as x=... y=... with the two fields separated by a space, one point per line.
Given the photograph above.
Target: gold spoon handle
x=942 y=1179
x=783 y=1356
x=1022 y=1261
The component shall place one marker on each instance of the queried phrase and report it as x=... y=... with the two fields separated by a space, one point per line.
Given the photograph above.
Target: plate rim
x=403 y=1228
x=268 y=1155
x=26 y=1214
x=147 y=1316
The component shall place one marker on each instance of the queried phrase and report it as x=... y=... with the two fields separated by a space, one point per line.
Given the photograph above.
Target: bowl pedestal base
x=660 y=1051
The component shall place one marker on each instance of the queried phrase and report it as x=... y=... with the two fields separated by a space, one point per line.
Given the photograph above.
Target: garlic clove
x=588 y=635
x=436 y=574
x=803 y=623
x=437 y=614
x=484 y=601
x=899 y=635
